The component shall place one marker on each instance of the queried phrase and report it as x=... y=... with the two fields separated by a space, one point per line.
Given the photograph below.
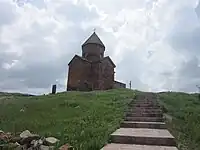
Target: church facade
x=92 y=70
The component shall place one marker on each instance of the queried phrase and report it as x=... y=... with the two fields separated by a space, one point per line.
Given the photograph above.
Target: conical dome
x=93 y=39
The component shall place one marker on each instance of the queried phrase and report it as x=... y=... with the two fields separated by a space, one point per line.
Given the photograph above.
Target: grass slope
x=85 y=120
x=185 y=110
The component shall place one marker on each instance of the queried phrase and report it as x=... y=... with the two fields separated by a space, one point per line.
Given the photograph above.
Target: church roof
x=79 y=58
x=94 y=39
x=107 y=57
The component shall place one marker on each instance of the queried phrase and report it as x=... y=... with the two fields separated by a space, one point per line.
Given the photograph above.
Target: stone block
x=114 y=146
x=142 y=136
x=150 y=125
x=140 y=114
x=145 y=119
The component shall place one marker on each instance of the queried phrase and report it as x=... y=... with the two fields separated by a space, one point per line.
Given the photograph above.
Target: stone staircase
x=143 y=128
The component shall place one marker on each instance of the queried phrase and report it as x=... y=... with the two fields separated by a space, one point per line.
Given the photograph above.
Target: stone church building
x=91 y=71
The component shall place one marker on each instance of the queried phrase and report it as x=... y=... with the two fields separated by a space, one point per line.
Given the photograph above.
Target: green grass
x=185 y=110
x=83 y=119
x=86 y=119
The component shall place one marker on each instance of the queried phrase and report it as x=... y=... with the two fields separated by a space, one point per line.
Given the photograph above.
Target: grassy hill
x=83 y=119
x=185 y=110
x=86 y=119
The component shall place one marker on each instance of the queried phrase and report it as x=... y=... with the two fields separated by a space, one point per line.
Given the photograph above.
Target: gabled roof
x=80 y=58
x=109 y=60
x=120 y=82
x=93 y=39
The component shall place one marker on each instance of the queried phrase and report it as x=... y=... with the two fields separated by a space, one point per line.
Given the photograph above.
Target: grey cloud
x=190 y=69
x=183 y=78
x=197 y=9
x=131 y=69
x=37 y=73
x=38 y=3
x=187 y=41
x=185 y=35
x=41 y=68
x=184 y=39
x=167 y=73
x=188 y=75
x=37 y=32
x=77 y=12
x=7 y=13
x=3 y=55
x=40 y=75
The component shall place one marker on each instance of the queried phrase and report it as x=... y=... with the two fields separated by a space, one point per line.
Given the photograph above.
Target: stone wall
x=107 y=75
x=78 y=74
x=118 y=84
x=94 y=76
x=93 y=52
x=86 y=76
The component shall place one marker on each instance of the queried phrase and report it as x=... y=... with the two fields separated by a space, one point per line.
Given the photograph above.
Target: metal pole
x=199 y=91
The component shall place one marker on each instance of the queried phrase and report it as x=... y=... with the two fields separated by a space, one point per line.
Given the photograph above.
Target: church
x=92 y=70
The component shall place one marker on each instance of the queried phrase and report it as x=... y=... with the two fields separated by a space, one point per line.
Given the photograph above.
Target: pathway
x=143 y=128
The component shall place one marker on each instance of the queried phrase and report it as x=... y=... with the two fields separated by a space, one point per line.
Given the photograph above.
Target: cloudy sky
x=154 y=43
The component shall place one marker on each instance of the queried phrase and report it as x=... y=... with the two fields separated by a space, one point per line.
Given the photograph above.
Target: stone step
x=139 y=109
x=114 y=146
x=144 y=105
x=150 y=108
x=150 y=125
x=146 y=99
x=143 y=102
x=144 y=111
x=139 y=114
x=143 y=136
x=145 y=119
